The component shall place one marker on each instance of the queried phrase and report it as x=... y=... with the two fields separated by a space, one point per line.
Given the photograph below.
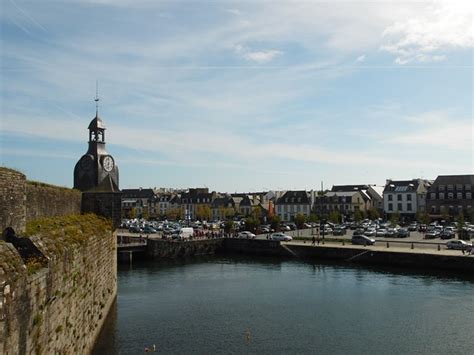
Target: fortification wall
x=169 y=249
x=22 y=201
x=58 y=307
x=44 y=200
x=12 y=199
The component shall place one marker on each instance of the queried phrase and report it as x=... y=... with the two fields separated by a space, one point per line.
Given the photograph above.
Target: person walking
x=313 y=241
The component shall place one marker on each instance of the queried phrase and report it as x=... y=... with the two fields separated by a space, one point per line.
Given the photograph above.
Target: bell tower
x=97 y=175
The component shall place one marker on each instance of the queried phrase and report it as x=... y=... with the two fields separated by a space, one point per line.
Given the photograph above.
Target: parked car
x=391 y=232
x=135 y=229
x=149 y=230
x=362 y=240
x=422 y=228
x=246 y=235
x=285 y=228
x=403 y=233
x=447 y=234
x=292 y=226
x=370 y=232
x=358 y=232
x=339 y=231
x=432 y=234
x=281 y=237
x=459 y=244
x=381 y=232
x=413 y=227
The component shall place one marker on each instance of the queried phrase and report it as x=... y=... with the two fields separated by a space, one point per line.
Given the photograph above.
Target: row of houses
x=446 y=195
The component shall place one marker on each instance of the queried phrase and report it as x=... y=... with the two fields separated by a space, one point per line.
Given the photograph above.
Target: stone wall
x=170 y=249
x=58 y=308
x=22 y=201
x=44 y=200
x=12 y=199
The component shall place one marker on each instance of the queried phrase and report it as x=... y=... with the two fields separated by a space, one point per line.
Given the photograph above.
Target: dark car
x=403 y=233
x=339 y=231
x=135 y=229
x=447 y=234
x=149 y=230
x=362 y=240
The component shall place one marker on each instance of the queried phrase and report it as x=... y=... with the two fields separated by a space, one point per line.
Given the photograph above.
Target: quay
x=384 y=254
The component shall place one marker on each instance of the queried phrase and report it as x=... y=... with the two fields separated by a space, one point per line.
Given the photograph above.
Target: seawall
x=56 y=303
x=160 y=249
x=22 y=201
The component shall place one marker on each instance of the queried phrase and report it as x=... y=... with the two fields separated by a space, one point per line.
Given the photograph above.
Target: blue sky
x=239 y=96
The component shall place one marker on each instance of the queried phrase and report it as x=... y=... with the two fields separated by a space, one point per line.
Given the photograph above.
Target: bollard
x=439 y=248
x=323 y=241
x=412 y=246
x=343 y=242
x=388 y=246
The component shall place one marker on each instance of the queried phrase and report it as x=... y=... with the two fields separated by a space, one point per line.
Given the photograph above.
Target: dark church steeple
x=96 y=165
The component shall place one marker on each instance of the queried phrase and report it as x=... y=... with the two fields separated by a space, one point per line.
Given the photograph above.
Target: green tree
x=203 y=212
x=357 y=216
x=395 y=219
x=133 y=213
x=251 y=224
x=445 y=214
x=461 y=223
x=300 y=219
x=229 y=226
x=373 y=214
x=229 y=212
x=145 y=213
x=335 y=216
x=423 y=217
x=470 y=214
x=313 y=217
x=275 y=222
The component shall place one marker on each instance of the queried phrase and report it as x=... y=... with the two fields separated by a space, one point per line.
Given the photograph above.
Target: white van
x=185 y=233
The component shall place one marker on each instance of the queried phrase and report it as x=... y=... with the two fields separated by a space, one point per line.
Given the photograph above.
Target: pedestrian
x=318 y=239
x=313 y=241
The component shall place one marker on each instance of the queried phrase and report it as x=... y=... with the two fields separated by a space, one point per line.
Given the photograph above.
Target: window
x=441 y=195
x=409 y=197
x=433 y=195
x=399 y=197
x=450 y=187
x=390 y=207
x=450 y=195
x=459 y=187
x=459 y=195
x=390 y=197
x=433 y=209
x=441 y=187
x=409 y=207
x=467 y=187
x=399 y=207
x=468 y=195
x=298 y=208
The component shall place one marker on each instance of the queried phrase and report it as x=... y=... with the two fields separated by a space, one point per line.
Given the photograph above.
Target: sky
x=239 y=96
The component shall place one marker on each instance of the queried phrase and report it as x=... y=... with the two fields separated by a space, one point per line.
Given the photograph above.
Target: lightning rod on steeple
x=96 y=98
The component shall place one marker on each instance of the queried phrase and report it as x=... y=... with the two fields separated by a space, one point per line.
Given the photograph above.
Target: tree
x=300 y=219
x=133 y=213
x=145 y=213
x=313 y=217
x=275 y=222
x=357 y=216
x=373 y=214
x=251 y=223
x=445 y=214
x=395 y=219
x=173 y=214
x=203 y=212
x=470 y=214
x=461 y=223
x=256 y=212
x=423 y=217
x=335 y=216
x=228 y=226
x=229 y=212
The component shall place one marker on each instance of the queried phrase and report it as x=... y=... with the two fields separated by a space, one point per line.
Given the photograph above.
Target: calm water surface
x=229 y=305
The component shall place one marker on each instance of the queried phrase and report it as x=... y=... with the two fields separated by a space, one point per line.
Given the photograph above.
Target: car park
x=285 y=228
x=370 y=232
x=457 y=244
x=447 y=234
x=413 y=227
x=391 y=233
x=281 y=237
x=149 y=230
x=362 y=240
x=246 y=235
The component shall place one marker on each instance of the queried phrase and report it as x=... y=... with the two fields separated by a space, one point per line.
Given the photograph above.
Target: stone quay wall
x=58 y=306
x=170 y=249
x=22 y=201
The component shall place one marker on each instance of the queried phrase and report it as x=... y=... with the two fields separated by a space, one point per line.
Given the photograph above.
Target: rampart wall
x=22 y=201
x=57 y=305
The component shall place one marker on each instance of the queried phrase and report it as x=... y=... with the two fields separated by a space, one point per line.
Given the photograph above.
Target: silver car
x=281 y=237
x=458 y=244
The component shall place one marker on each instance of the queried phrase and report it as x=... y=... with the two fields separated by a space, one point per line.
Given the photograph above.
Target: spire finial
x=96 y=98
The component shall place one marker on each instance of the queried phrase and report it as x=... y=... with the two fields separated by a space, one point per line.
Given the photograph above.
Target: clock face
x=87 y=162
x=108 y=163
